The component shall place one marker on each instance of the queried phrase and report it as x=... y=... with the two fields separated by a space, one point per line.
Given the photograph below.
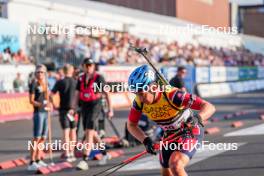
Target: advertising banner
x=202 y=74
x=9 y=35
x=169 y=72
x=218 y=74
x=232 y=73
x=246 y=73
x=189 y=80
x=116 y=73
x=15 y=106
x=260 y=72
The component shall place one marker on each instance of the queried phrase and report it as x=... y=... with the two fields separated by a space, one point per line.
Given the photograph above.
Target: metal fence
x=56 y=49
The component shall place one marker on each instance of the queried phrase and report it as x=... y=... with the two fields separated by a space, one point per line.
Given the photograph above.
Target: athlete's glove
x=149 y=146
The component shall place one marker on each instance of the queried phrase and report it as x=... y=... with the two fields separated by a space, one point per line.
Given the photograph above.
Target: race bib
x=174 y=126
x=177 y=124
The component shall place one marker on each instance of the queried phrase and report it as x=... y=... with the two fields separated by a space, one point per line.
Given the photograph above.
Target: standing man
x=90 y=108
x=177 y=80
x=66 y=88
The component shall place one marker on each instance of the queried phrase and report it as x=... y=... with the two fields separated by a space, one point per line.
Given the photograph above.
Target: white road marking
x=207 y=153
x=152 y=162
x=238 y=101
x=255 y=130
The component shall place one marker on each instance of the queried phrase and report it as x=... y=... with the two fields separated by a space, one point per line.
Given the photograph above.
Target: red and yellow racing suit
x=171 y=106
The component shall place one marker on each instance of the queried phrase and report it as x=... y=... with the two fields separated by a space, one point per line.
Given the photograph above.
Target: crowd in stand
x=113 y=48
x=9 y=57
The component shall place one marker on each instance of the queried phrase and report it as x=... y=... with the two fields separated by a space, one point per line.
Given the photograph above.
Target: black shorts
x=188 y=150
x=65 y=121
x=90 y=116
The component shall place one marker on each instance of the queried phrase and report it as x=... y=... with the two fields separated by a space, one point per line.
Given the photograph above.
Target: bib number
x=177 y=124
x=173 y=126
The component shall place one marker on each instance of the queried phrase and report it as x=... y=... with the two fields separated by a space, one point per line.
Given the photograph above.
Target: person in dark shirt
x=177 y=80
x=38 y=97
x=88 y=93
x=66 y=88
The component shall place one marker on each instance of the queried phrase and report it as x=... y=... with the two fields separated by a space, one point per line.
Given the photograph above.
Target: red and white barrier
x=213 y=130
x=237 y=124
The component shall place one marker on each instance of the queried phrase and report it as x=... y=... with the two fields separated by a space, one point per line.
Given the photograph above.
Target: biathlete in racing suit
x=171 y=109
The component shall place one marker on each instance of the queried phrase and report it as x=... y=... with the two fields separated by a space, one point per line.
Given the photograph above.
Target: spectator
x=66 y=88
x=61 y=74
x=18 y=84
x=19 y=57
x=38 y=96
x=90 y=108
x=7 y=56
x=177 y=80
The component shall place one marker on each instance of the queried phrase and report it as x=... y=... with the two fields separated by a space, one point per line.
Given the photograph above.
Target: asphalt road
x=247 y=160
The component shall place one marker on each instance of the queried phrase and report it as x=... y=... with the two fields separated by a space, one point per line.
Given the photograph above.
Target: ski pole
x=143 y=52
x=133 y=158
x=122 y=164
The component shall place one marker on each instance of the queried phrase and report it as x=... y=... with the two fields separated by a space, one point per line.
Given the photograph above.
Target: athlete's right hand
x=149 y=146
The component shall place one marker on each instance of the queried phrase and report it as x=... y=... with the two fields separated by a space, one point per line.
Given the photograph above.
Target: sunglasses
x=40 y=72
x=184 y=71
x=88 y=65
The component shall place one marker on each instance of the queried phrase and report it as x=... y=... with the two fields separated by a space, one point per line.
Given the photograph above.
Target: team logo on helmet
x=150 y=74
